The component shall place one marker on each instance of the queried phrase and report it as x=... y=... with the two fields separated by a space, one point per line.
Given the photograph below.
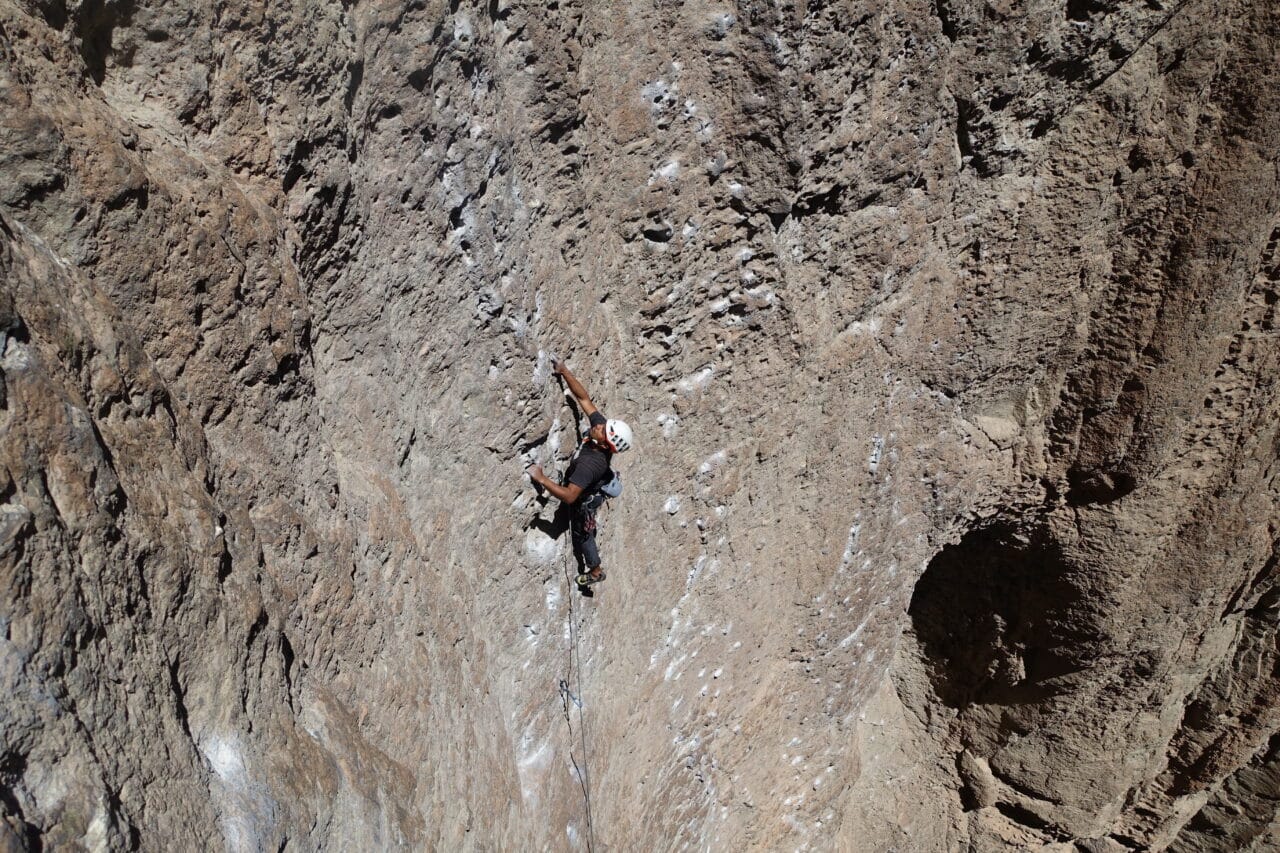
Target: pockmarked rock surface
x=947 y=330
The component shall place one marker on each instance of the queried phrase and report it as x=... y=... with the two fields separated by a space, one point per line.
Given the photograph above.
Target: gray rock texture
x=948 y=331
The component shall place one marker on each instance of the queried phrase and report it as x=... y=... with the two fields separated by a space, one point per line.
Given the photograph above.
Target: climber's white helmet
x=618 y=434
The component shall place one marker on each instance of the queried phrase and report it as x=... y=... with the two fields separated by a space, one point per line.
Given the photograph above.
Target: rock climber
x=589 y=471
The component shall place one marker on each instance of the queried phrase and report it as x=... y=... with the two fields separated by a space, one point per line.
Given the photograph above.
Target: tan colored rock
x=948 y=334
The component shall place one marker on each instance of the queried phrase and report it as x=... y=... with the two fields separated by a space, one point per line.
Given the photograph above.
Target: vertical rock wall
x=947 y=331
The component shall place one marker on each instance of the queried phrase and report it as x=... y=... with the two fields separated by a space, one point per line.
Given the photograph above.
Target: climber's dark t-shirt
x=590 y=462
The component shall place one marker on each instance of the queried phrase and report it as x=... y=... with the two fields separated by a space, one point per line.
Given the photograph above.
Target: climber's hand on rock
x=535 y=472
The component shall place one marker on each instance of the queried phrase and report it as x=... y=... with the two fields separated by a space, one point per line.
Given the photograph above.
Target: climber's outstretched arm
x=566 y=494
x=576 y=389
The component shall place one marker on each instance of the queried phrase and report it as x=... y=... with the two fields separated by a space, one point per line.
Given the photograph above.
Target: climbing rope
x=566 y=697
x=574 y=696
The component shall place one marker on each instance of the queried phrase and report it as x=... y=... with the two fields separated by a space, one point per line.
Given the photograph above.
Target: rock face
x=948 y=331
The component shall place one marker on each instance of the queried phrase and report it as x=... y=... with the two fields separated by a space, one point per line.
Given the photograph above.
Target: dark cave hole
x=1068 y=70
x=420 y=78
x=946 y=19
x=1001 y=101
x=1001 y=617
x=1137 y=159
x=1083 y=10
x=54 y=12
x=660 y=233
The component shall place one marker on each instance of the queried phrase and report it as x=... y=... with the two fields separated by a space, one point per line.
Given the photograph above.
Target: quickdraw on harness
x=567 y=695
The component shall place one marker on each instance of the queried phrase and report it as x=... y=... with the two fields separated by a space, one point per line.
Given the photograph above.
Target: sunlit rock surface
x=947 y=330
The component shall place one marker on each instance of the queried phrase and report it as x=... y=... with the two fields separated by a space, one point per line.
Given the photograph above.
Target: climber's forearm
x=566 y=494
x=561 y=493
x=575 y=387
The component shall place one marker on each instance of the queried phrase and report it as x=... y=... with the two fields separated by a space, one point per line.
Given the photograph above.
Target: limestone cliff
x=948 y=331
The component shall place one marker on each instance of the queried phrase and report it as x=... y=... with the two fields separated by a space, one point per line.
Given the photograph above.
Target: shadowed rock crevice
x=1243 y=814
x=1003 y=618
x=96 y=22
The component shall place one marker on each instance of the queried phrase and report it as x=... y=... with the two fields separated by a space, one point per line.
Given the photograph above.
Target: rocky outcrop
x=1099 y=650
x=947 y=329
